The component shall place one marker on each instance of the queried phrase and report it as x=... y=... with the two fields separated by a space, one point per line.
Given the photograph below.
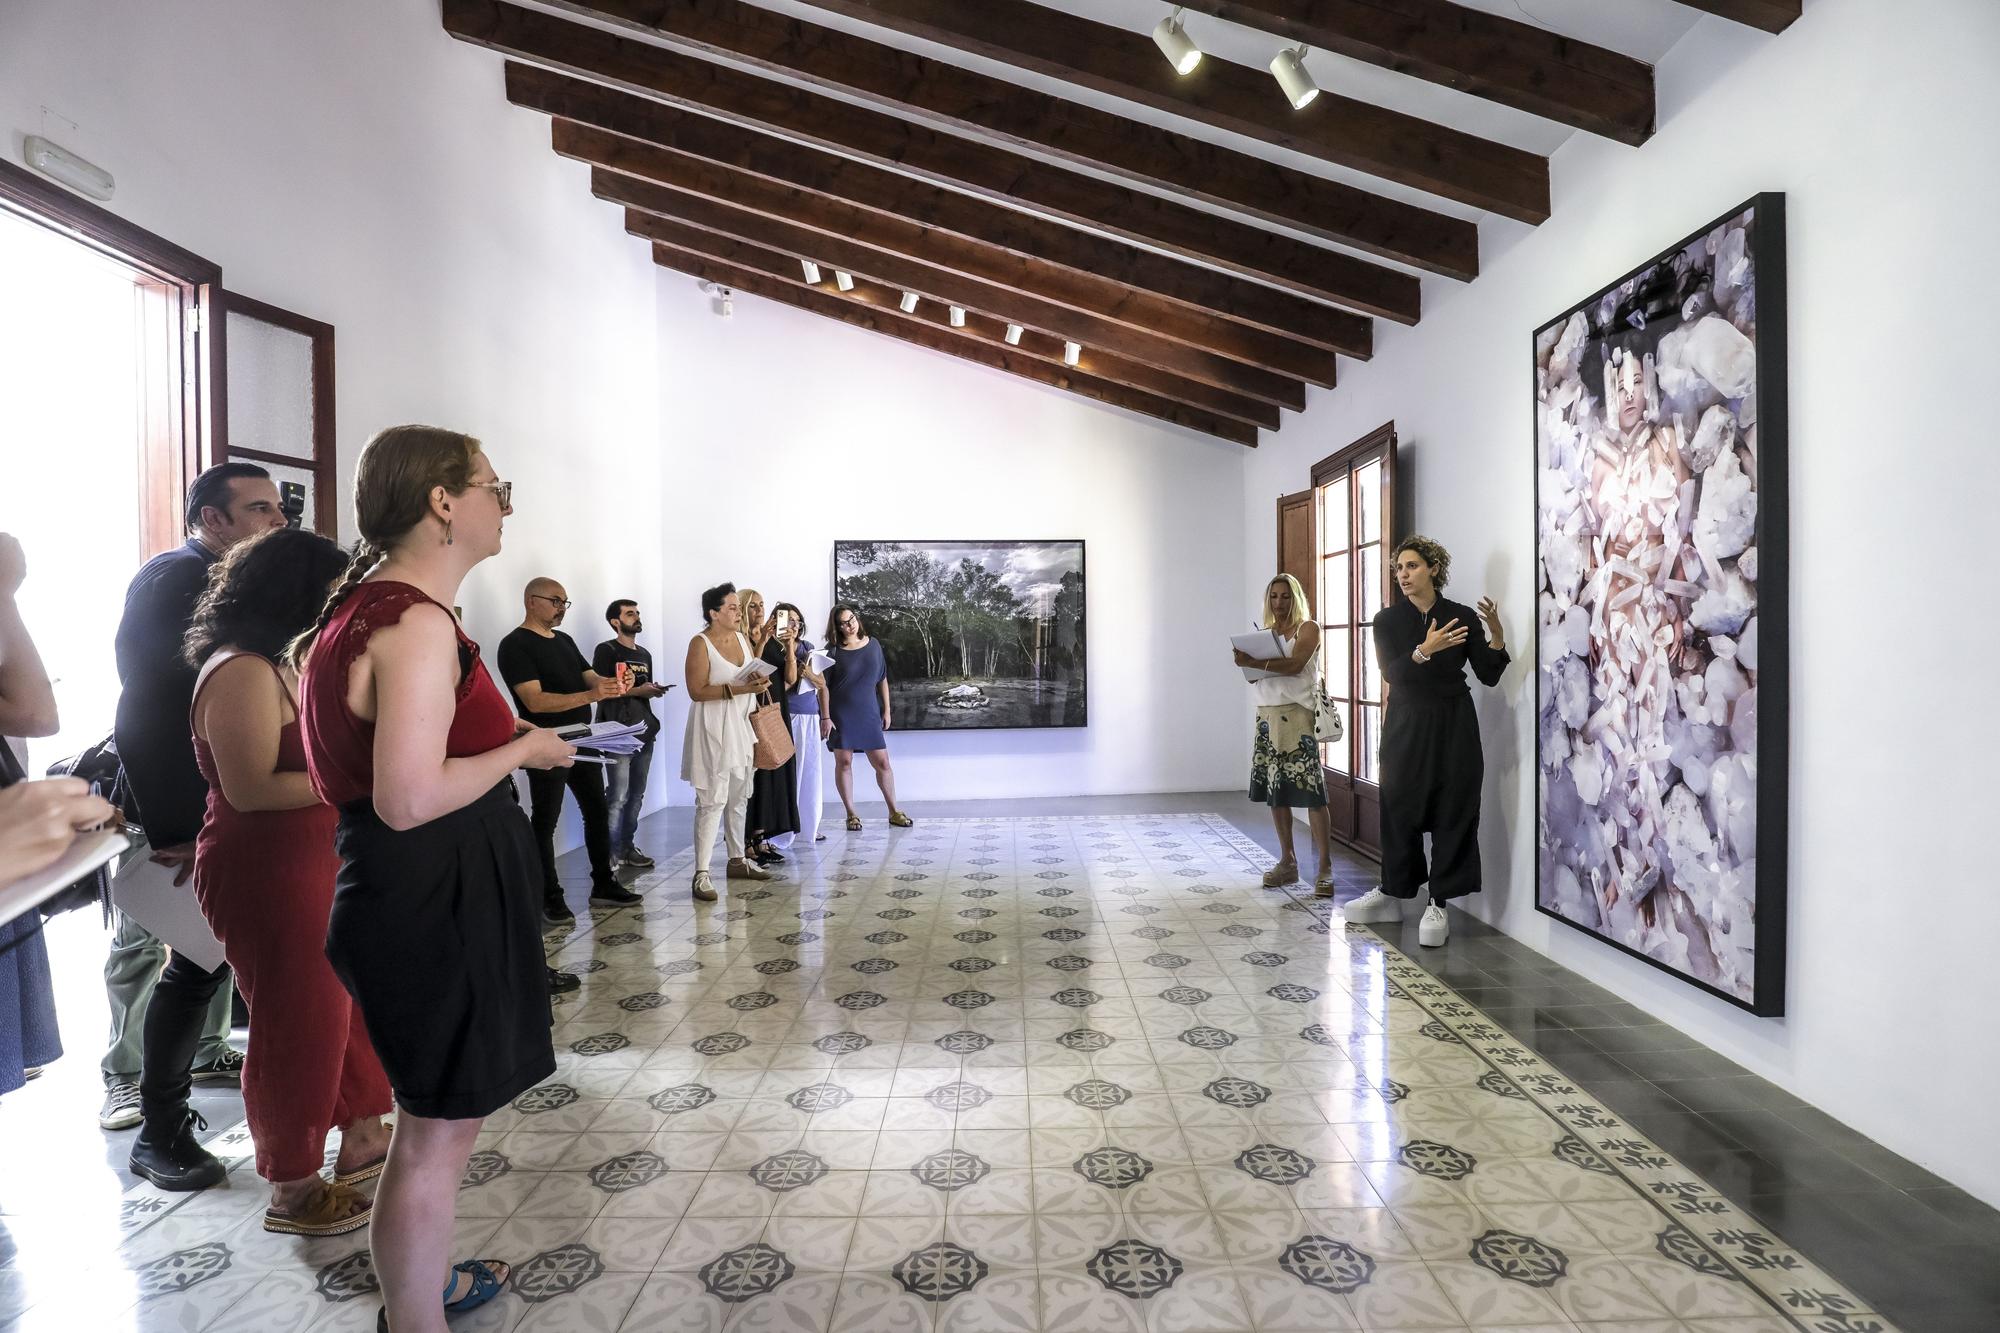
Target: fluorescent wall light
x=957 y=317
x=58 y=163
x=1014 y=332
x=1289 y=68
x=811 y=271
x=909 y=303
x=1171 y=37
x=1072 y=353
x=844 y=281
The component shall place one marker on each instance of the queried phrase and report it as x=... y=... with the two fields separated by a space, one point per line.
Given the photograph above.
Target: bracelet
x=1418 y=653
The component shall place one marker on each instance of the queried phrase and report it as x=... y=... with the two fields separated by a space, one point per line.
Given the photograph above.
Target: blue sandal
x=485 y=1286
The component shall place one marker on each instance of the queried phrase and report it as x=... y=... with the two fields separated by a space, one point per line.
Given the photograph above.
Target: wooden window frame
x=321 y=463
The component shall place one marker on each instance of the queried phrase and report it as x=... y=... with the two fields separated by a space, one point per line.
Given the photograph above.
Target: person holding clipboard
x=1285 y=771
x=724 y=678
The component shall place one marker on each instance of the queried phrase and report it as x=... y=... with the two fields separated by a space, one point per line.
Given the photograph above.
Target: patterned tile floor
x=996 y=1075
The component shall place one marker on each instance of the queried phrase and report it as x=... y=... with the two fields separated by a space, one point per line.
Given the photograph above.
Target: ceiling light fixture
x=909 y=303
x=58 y=163
x=1289 y=68
x=1171 y=37
x=958 y=317
x=811 y=270
x=1072 y=353
x=844 y=281
x=1014 y=332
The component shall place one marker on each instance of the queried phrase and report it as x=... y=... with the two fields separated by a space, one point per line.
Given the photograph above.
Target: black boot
x=171 y=1159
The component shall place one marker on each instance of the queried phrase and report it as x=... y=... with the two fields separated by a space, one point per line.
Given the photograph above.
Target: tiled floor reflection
x=1001 y=1075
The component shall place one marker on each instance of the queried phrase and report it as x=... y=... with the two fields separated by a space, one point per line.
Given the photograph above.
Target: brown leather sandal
x=338 y=1210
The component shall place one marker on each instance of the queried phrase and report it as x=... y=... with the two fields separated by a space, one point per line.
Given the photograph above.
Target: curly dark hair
x=1432 y=554
x=264 y=593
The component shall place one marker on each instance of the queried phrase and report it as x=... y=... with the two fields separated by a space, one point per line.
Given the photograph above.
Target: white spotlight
x=957 y=317
x=1289 y=68
x=844 y=281
x=1072 y=352
x=1014 y=332
x=811 y=271
x=909 y=303
x=1172 y=39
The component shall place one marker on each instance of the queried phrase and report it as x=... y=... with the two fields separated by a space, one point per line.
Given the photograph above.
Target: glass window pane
x=1371 y=742
x=1371 y=670
x=1334 y=756
x=1333 y=503
x=1335 y=645
x=1371 y=581
x=1333 y=590
x=1369 y=481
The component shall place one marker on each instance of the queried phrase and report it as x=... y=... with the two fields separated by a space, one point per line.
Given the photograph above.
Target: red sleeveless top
x=340 y=747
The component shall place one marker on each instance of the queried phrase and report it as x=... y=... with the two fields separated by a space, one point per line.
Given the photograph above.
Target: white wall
x=1879 y=121
x=824 y=432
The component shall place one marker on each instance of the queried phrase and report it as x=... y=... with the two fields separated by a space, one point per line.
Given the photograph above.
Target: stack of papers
x=87 y=851
x=754 y=670
x=1262 y=645
x=614 y=739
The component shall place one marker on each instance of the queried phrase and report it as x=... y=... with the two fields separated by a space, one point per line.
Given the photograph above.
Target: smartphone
x=625 y=674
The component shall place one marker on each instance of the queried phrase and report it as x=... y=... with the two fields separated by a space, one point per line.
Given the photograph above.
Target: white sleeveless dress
x=719 y=741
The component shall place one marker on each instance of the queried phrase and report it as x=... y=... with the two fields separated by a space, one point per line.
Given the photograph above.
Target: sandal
x=854 y=823
x=900 y=820
x=365 y=1172
x=1285 y=872
x=338 y=1210
x=485 y=1284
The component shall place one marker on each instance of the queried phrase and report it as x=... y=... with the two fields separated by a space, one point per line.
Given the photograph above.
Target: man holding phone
x=625 y=776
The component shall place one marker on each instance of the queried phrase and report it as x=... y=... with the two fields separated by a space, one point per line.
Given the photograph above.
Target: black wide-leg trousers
x=1432 y=769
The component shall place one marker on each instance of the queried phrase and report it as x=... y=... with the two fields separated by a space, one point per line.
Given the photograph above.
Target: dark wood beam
x=1325 y=209
x=922 y=334
x=1106 y=366
x=1344 y=131
x=946 y=287
x=1487 y=55
x=973 y=259
x=1770 y=15
x=948 y=211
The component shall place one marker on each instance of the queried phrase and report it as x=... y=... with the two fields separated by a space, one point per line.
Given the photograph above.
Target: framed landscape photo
x=1660 y=563
x=979 y=635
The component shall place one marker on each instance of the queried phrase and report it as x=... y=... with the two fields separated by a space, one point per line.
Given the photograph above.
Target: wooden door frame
x=322 y=463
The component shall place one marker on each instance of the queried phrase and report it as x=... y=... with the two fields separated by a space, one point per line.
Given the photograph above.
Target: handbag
x=1326 y=713
x=774 y=738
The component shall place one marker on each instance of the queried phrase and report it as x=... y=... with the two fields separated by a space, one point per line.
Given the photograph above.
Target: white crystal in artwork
x=1647 y=524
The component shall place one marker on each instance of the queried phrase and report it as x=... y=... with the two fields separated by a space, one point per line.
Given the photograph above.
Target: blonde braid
x=366 y=556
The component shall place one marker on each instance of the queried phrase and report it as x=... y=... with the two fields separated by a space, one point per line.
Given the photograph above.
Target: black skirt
x=437 y=934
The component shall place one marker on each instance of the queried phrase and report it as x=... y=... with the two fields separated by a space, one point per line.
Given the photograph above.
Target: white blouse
x=719 y=740
x=1277 y=691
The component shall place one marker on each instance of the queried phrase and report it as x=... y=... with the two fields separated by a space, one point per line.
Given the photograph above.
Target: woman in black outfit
x=1431 y=761
x=774 y=793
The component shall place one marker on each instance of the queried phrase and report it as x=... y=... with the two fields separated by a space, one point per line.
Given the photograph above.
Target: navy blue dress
x=28 y=1033
x=853 y=698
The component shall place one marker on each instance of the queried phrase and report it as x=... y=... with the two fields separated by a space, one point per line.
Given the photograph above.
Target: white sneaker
x=1372 y=907
x=704 y=887
x=1433 y=930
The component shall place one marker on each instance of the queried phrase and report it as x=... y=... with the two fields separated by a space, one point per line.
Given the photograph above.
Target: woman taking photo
x=857 y=714
x=806 y=705
x=436 y=929
x=774 y=792
x=1431 y=761
x=1285 y=771
x=264 y=872
x=718 y=754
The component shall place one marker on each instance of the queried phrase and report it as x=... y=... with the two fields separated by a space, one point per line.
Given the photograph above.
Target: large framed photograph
x=979 y=635
x=1660 y=548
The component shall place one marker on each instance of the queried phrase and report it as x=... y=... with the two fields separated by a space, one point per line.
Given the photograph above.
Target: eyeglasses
x=503 y=491
x=561 y=603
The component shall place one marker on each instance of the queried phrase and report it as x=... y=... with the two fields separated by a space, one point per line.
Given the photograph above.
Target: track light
x=909 y=303
x=1289 y=68
x=812 y=272
x=1072 y=353
x=957 y=317
x=1014 y=332
x=844 y=281
x=1172 y=39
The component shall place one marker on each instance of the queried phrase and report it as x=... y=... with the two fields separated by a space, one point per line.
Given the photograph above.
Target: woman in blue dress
x=858 y=711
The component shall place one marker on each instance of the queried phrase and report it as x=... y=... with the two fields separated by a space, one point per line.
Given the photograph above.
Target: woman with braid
x=436 y=926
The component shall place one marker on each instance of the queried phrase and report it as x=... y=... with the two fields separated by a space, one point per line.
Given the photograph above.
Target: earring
x=447 y=532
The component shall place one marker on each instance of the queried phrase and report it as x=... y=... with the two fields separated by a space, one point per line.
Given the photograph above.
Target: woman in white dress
x=718 y=755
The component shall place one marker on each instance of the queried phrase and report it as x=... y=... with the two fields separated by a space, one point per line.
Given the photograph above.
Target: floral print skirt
x=1284 y=759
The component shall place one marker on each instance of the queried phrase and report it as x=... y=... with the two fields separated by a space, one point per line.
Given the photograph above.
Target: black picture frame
x=1076 y=714
x=1765 y=236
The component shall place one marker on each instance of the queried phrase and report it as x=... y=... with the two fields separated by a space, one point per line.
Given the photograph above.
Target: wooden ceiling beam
x=1770 y=15
x=897 y=325
x=949 y=288
x=1325 y=209
x=1487 y=55
x=1083 y=292
x=1240 y=99
x=1107 y=366
x=948 y=211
